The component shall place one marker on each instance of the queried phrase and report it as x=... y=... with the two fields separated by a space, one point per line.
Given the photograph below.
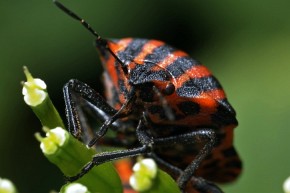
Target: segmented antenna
x=100 y=40
x=76 y=17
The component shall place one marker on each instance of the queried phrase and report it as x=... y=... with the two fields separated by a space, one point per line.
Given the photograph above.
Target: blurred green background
x=245 y=43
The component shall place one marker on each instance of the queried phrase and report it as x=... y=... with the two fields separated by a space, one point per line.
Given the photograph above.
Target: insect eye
x=169 y=89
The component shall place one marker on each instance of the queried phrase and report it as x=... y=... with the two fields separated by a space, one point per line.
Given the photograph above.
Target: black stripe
x=229 y=175
x=226 y=104
x=213 y=164
x=219 y=138
x=158 y=55
x=142 y=73
x=224 y=115
x=132 y=50
x=195 y=86
x=234 y=164
x=230 y=152
x=180 y=65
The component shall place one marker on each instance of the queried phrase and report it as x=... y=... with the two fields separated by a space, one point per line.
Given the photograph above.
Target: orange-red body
x=198 y=101
x=162 y=104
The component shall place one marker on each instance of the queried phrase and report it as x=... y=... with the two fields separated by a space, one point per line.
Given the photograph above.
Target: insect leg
x=188 y=174
x=109 y=156
x=200 y=184
x=79 y=96
x=193 y=137
x=101 y=158
x=122 y=112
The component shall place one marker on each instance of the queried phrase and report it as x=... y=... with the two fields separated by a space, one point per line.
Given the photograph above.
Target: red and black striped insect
x=162 y=104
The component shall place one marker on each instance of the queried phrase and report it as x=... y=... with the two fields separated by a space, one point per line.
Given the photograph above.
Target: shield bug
x=162 y=104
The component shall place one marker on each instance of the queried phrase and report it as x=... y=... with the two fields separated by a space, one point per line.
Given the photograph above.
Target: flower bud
x=6 y=186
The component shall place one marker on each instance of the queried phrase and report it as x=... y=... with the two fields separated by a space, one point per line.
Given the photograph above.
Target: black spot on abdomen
x=189 y=108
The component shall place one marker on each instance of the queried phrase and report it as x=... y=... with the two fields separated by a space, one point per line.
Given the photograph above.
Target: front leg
x=145 y=148
x=79 y=96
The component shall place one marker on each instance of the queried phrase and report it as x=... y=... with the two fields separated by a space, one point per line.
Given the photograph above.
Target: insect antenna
x=76 y=17
x=100 y=40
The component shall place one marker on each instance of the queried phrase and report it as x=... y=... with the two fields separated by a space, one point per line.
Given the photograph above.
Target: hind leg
x=187 y=175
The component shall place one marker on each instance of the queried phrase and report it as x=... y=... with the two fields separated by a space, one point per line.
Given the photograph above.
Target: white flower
x=286 y=185
x=76 y=188
x=34 y=90
x=6 y=186
x=54 y=139
x=145 y=172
